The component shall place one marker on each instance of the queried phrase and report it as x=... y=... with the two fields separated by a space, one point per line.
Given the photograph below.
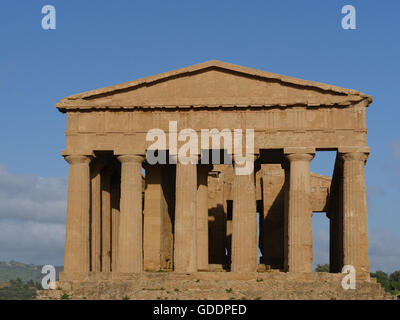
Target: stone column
x=272 y=226
x=106 y=220
x=95 y=239
x=130 y=252
x=217 y=214
x=115 y=196
x=77 y=256
x=286 y=189
x=202 y=217
x=169 y=188
x=185 y=253
x=244 y=223
x=355 y=226
x=335 y=214
x=299 y=215
x=156 y=238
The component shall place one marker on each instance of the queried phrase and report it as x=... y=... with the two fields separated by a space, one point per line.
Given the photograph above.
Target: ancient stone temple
x=127 y=216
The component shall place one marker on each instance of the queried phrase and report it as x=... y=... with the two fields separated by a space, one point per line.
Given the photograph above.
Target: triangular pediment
x=213 y=84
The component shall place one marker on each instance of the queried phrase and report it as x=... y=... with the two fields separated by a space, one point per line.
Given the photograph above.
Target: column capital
x=354 y=153
x=240 y=159
x=298 y=150
x=353 y=149
x=133 y=158
x=76 y=159
x=299 y=157
x=354 y=156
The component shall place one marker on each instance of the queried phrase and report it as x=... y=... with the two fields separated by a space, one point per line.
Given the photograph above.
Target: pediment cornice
x=214 y=84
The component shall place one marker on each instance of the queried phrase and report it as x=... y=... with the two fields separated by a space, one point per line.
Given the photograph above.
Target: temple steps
x=215 y=286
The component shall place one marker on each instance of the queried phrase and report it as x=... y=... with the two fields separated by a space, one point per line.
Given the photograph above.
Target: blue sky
x=103 y=43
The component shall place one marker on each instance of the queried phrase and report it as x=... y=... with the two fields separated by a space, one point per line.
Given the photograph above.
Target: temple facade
x=126 y=215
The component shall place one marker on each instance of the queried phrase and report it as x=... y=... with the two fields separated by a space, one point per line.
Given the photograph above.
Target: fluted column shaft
x=299 y=215
x=185 y=253
x=77 y=255
x=244 y=224
x=202 y=217
x=96 y=217
x=335 y=214
x=115 y=196
x=130 y=252
x=153 y=207
x=355 y=226
x=106 y=220
x=157 y=221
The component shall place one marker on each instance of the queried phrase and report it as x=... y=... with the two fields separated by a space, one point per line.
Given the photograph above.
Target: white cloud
x=31 y=197
x=32 y=242
x=396 y=150
x=32 y=218
x=373 y=193
x=32 y=229
x=321 y=241
x=384 y=250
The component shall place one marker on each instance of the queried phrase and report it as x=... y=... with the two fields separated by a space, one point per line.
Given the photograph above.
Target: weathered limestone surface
x=217 y=286
x=202 y=217
x=77 y=226
x=320 y=186
x=130 y=258
x=96 y=217
x=219 y=181
x=283 y=111
x=106 y=219
x=355 y=228
x=270 y=183
x=158 y=238
x=155 y=208
x=299 y=215
x=244 y=224
x=272 y=222
x=188 y=218
x=185 y=251
x=115 y=218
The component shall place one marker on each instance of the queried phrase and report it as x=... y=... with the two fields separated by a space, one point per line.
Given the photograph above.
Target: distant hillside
x=13 y=270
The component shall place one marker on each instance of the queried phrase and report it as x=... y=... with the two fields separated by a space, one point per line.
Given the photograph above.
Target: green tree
x=395 y=276
x=17 y=290
x=382 y=278
x=18 y=282
x=322 y=268
x=380 y=275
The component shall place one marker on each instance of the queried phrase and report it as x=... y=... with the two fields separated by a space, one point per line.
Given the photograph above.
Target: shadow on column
x=272 y=233
x=168 y=189
x=216 y=235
